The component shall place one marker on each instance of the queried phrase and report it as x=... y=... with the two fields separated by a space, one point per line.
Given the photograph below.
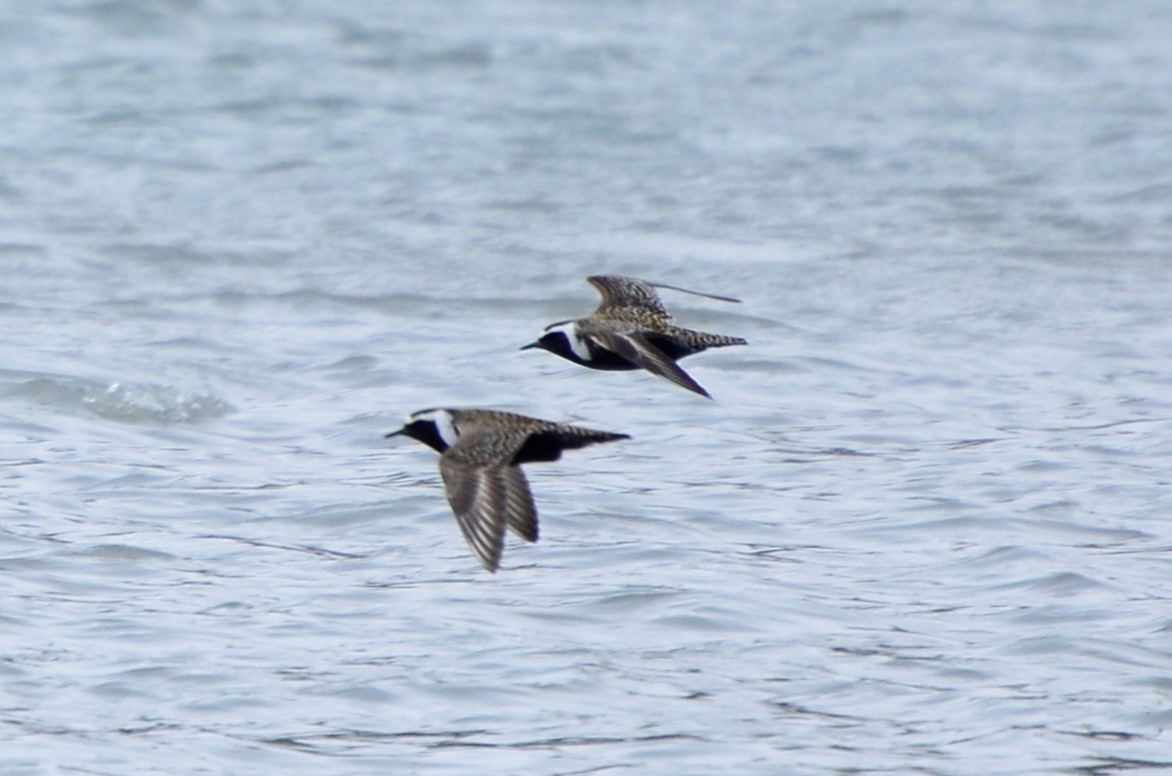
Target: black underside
x=540 y=448
x=603 y=359
x=608 y=361
x=673 y=348
x=548 y=445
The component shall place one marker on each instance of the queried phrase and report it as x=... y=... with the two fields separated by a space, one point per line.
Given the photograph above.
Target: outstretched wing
x=520 y=510
x=717 y=297
x=487 y=494
x=619 y=291
x=477 y=497
x=632 y=344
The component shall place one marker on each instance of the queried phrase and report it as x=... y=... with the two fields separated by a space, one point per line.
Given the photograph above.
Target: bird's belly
x=608 y=361
x=674 y=349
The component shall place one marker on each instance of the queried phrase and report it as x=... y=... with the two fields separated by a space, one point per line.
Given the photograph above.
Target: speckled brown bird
x=631 y=329
x=481 y=452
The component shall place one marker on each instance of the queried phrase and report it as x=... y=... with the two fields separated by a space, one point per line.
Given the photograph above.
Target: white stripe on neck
x=577 y=342
x=446 y=425
x=443 y=421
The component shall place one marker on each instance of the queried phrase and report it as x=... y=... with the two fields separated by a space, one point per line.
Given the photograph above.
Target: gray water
x=923 y=527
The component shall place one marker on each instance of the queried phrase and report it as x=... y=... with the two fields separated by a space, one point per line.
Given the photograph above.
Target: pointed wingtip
x=490 y=563
x=717 y=297
x=686 y=381
x=694 y=386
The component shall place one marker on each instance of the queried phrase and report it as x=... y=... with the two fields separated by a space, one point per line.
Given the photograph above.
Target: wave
x=124 y=402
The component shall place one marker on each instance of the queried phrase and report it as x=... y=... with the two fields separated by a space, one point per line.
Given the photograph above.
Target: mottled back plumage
x=480 y=456
x=628 y=299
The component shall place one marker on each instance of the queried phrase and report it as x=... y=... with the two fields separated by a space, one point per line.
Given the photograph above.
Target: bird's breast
x=607 y=360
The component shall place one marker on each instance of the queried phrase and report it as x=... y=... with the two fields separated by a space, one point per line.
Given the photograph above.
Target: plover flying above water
x=631 y=329
x=481 y=452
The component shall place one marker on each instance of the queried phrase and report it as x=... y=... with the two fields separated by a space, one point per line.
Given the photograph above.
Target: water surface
x=921 y=529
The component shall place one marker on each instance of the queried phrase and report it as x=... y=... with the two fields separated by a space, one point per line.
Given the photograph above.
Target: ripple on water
x=133 y=403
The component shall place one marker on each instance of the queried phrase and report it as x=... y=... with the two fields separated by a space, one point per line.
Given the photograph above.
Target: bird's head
x=562 y=339
x=434 y=427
